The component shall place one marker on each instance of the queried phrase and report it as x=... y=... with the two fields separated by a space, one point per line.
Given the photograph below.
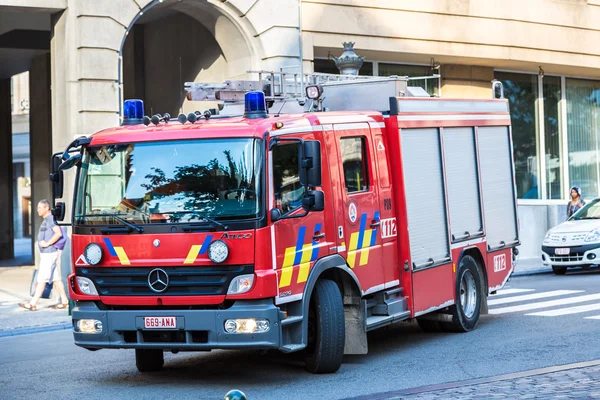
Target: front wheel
x=559 y=270
x=326 y=329
x=466 y=311
x=147 y=360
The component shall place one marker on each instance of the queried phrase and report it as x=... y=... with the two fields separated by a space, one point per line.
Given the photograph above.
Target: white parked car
x=575 y=242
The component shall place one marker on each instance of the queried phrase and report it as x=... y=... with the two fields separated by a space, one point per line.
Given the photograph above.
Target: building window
x=354 y=162
x=431 y=85
x=553 y=148
x=583 y=127
x=326 y=66
x=521 y=90
x=286 y=177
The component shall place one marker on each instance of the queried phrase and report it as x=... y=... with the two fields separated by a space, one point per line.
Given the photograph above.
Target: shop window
x=328 y=67
x=431 y=85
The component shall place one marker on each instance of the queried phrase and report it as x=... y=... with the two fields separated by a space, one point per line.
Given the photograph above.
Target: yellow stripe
x=353 y=241
x=306 y=253
x=351 y=258
x=290 y=254
x=303 y=274
x=122 y=256
x=193 y=254
x=286 y=277
x=364 y=254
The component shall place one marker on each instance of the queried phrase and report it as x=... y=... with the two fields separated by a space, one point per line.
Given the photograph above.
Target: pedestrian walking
x=576 y=201
x=48 y=235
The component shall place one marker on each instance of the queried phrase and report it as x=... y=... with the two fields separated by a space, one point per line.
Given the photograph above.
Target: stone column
x=467 y=81
x=40 y=139
x=6 y=177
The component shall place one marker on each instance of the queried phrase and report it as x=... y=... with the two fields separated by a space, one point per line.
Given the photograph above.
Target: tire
x=469 y=296
x=428 y=325
x=326 y=329
x=559 y=270
x=147 y=360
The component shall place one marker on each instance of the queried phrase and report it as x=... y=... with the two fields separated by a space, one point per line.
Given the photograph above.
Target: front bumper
x=588 y=254
x=196 y=329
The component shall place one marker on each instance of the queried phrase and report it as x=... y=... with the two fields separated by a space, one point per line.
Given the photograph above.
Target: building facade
x=86 y=56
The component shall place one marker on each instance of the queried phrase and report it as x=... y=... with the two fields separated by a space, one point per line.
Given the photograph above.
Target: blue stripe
x=374 y=234
x=315 y=250
x=204 y=247
x=299 y=243
x=110 y=247
x=361 y=233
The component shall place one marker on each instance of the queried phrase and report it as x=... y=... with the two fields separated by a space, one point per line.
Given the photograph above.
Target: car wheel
x=326 y=329
x=147 y=360
x=559 y=270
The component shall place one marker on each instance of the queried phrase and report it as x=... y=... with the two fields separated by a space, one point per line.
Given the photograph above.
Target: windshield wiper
x=133 y=226
x=200 y=215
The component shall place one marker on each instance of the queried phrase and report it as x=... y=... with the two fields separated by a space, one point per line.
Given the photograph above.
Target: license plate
x=562 y=252
x=160 y=322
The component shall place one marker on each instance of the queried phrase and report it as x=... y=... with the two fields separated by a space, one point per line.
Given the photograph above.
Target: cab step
x=377 y=321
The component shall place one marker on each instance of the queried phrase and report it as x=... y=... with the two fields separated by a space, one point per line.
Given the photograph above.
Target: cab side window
x=354 y=160
x=286 y=177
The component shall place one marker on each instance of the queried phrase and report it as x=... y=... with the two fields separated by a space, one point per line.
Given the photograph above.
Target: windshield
x=590 y=211
x=170 y=182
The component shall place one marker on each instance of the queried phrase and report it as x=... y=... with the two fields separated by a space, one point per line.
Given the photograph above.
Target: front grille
x=567 y=258
x=183 y=281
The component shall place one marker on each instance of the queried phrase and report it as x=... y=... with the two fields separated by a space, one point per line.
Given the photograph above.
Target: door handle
x=319 y=236
x=375 y=224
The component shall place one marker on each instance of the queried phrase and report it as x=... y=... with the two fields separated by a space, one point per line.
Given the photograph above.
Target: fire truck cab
x=297 y=231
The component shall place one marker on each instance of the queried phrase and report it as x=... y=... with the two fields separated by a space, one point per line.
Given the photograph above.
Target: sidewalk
x=14 y=288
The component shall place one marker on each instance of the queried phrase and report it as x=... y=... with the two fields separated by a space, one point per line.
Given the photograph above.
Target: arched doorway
x=178 y=41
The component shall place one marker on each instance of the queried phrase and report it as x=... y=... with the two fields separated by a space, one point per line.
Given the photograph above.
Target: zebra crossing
x=551 y=303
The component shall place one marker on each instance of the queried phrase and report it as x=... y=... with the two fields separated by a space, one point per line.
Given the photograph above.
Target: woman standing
x=576 y=201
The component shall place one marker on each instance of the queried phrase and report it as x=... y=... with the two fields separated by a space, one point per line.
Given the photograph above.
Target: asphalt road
x=401 y=356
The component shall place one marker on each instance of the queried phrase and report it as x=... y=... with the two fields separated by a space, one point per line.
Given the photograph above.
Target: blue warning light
x=255 y=105
x=133 y=112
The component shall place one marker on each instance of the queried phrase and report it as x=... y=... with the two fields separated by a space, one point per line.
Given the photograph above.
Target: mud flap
x=356 y=336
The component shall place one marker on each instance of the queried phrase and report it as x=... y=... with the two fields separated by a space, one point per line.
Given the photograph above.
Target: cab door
x=358 y=216
x=298 y=239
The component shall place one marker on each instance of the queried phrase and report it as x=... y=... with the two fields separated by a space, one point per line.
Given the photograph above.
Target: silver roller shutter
x=498 y=186
x=425 y=200
x=463 y=183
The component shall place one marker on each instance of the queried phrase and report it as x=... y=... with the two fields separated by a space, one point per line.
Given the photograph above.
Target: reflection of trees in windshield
x=198 y=188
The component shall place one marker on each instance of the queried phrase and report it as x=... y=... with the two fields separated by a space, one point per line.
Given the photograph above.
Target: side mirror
x=59 y=211
x=311 y=163
x=275 y=215
x=70 y=162
x=56 y=177
x=314 y=201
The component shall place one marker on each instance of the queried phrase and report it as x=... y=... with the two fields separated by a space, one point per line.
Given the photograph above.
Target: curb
x=532 y=272
x=35 y=329
x=473 y=382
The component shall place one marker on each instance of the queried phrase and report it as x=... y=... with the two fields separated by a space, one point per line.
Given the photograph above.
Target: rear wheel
x=147 y=360
x=326 y=329
x=559 y=270
x=466 y=311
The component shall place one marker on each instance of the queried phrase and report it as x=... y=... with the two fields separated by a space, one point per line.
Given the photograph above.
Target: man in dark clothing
x=48 y=235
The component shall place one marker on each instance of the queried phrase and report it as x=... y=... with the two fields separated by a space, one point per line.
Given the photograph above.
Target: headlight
x=593 y=236
x=218 y=251
x=241 y=284
x=92 y=253
x=86 y=286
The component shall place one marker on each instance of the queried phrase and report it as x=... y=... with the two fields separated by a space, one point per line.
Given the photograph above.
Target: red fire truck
x=297 y=231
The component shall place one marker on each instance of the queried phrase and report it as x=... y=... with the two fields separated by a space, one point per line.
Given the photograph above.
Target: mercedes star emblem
x=564 y=239
x=158 y=280
x=156 y=243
